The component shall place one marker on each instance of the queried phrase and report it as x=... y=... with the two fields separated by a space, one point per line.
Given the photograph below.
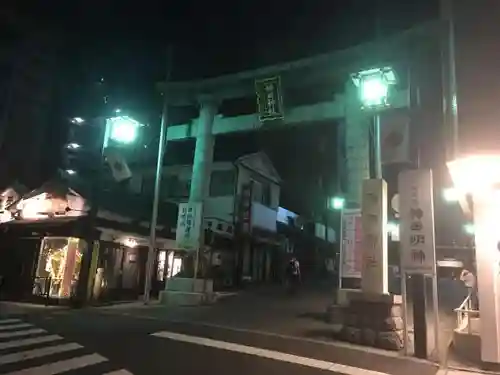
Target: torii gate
x=320 y=70
x=209 y=93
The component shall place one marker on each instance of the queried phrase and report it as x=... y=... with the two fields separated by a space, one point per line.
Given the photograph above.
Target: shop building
x=42 y=240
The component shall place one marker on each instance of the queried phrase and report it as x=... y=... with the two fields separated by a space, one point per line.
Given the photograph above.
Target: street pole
x=162 y=146
x=449 y=76
x=87 y=258
x=377 y=153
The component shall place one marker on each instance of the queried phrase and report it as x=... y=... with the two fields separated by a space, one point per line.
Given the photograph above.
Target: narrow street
x=250 y=334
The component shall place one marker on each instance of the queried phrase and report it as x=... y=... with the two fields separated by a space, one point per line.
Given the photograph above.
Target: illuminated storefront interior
x=174 y=265
x=58 y=266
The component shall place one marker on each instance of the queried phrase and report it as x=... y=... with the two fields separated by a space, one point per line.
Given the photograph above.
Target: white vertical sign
x=418 y=252
x=351 y=256
x=188 y=226
x=374 y=218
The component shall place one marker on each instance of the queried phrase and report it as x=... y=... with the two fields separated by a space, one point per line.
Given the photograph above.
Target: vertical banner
x=352 y=242
x=245 y=208
x=269 y=99
x=188 y=231
x=418 y=252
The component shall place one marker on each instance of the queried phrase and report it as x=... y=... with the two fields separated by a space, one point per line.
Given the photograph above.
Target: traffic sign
x=418 y=251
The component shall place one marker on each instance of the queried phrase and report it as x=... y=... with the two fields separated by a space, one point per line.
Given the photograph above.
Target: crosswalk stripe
x=8 y=321
x=119 y=372
x=37 y=353
x=30 y=341
x=26 y=332
x=14 y=326
x=62 y=366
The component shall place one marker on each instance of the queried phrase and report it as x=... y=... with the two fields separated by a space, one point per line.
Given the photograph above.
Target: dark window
x=175 y=187
x=222 y=183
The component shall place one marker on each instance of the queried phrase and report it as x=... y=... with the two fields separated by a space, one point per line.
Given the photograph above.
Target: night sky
x=126 y=46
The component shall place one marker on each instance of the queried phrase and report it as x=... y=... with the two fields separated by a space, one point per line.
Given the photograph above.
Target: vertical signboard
x=269 y=99
x=418 y=253
x=188 y=231
x=245 y=208
x=374 y=217
x=352 y=242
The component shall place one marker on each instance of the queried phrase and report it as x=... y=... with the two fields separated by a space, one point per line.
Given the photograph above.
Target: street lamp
x=374 y=91
x=336 y=203
x=73 y=146
x=122 y=129
x=77 y=120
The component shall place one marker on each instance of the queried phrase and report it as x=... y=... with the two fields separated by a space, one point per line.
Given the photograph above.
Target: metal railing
x=464 y=314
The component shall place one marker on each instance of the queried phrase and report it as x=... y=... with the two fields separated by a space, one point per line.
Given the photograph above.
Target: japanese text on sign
x=417 y=222
x=188 y=226
x=269 y=99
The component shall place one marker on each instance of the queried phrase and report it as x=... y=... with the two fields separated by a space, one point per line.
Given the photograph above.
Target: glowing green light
x=124 y=129
x=337 y=203
x=373 y=86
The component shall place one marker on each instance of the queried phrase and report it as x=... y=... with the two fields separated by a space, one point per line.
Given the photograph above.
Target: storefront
x=58 y=267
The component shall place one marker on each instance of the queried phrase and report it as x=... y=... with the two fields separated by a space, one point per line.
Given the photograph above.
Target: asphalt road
x=43 y=342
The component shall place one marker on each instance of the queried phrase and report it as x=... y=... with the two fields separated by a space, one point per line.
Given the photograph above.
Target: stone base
x=374 y=320
x=169 y=297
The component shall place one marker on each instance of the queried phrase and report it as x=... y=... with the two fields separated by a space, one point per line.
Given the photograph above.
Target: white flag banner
x=118 y=165
x=395 y=137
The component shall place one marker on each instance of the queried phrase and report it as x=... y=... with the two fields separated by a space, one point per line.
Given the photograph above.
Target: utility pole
x=449 y=77
x=162 y=147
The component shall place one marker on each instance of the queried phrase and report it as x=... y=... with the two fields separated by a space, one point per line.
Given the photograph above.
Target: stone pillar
x=357 y=146
x=202 y=168
x=371 y=316
x=204 y=150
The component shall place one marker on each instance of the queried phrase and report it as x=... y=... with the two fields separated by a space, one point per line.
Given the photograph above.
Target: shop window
x=58 y=267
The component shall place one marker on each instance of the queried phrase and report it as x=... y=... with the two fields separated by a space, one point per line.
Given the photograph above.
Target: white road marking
x=30 y=341
x=62 y=366
x=119 y=372
x=6 y=327
x=26 y=332
x=37 y=353
x=9 y=321
x=265 y=353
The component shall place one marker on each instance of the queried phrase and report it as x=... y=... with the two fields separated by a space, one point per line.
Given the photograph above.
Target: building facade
x=233 y=251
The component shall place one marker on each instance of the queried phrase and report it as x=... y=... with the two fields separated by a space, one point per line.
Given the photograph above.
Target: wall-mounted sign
x=269 y=99
x=188 y=231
